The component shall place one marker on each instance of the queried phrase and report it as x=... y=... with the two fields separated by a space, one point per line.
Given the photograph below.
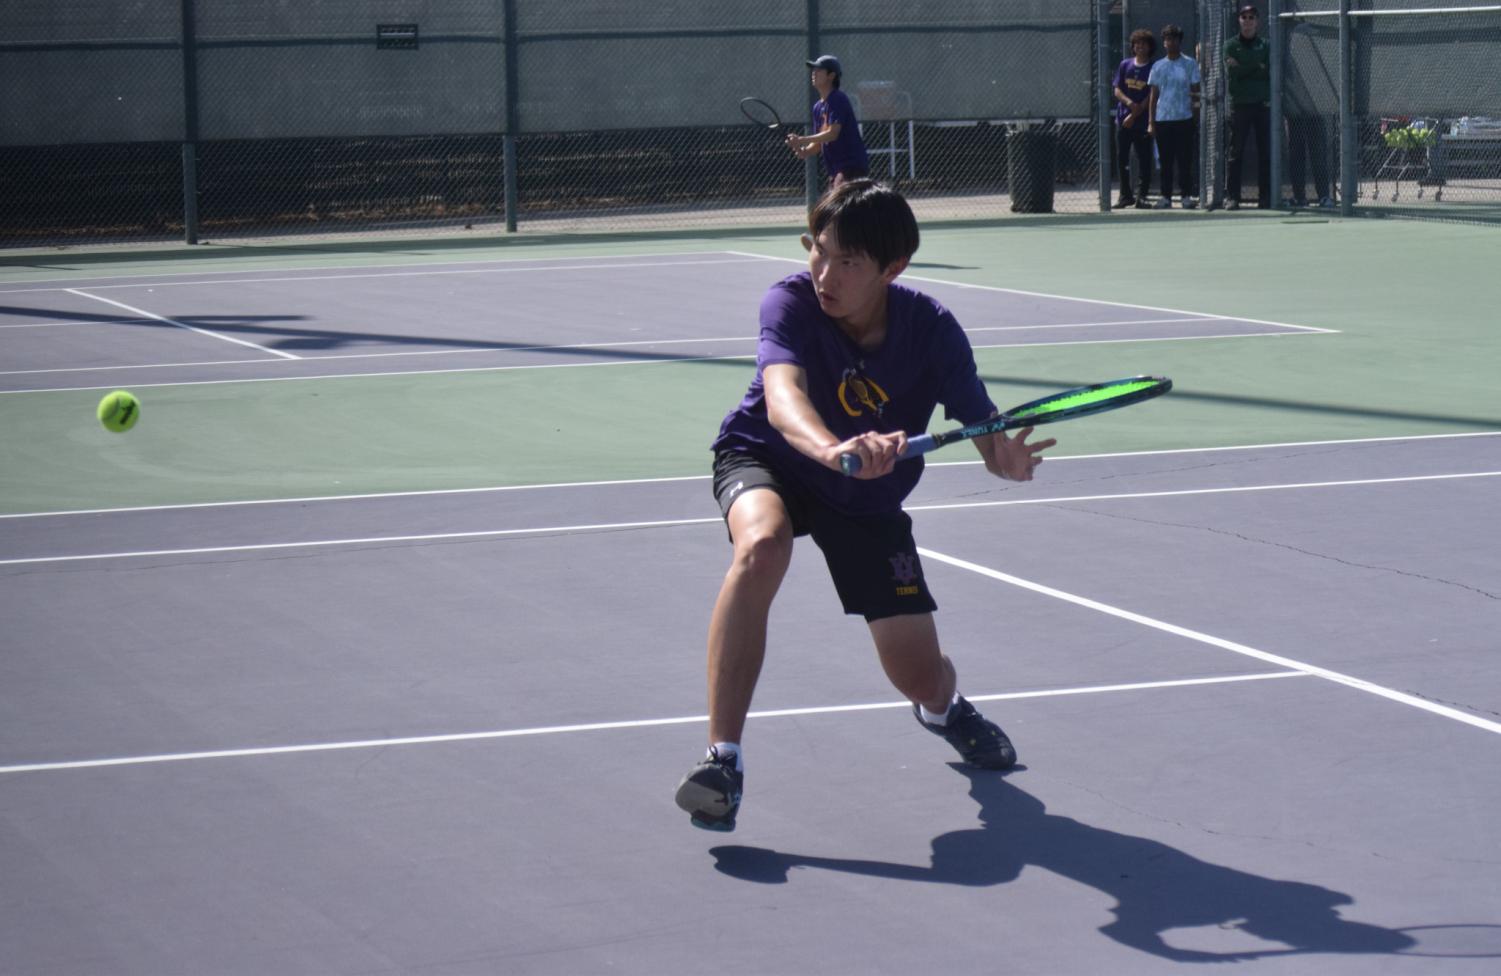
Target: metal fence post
x=1278 y=139
x=1103 y=100
x=1349 y=170
x=810 y=165
x=513 y=96
x=189 y=126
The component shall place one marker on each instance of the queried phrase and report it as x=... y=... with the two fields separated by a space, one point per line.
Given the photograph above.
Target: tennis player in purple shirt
x=849 y=361
x=836 y=132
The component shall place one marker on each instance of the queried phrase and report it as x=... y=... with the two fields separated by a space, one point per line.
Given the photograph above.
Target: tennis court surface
x=377 y=646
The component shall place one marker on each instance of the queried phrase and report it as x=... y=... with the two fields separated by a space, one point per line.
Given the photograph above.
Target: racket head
x=760 y=112
x=1084 y=400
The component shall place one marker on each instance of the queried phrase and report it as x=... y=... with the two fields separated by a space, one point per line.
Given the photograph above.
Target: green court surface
x=1415 y=351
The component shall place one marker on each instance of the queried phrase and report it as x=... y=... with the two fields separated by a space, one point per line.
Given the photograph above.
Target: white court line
x=668 y=523
x=180 y=325
x=1091 y=325
x=57 y=284
x=668 y=361
x=1292 y=330
x=1179 y=492
x=416 y=273
x=704 y=477
x=1064 y=298
x=79 y=322
x=369 y=540
x=500 y=348
x=606 y=726
x=1337 y=677
x=742 y=256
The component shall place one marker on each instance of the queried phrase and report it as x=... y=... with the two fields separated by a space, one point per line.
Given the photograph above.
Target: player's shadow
x=1157 y=888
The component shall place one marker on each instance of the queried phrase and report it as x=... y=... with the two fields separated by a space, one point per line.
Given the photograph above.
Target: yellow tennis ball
x=119 y=411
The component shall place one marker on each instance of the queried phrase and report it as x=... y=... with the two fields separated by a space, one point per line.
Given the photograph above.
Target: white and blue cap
x=828 y=63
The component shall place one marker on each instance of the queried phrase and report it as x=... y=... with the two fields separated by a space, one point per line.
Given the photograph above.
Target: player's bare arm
x=792 y=413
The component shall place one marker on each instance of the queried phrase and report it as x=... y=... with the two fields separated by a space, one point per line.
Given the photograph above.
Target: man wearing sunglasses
x=1248 y=58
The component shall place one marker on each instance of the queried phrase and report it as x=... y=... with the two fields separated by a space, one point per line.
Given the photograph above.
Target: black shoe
x=710 y=793
x=979 y=741
x=1142 y=203
x=1124 y=202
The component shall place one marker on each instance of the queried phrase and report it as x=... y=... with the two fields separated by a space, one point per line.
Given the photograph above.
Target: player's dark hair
x=1142 y=34
x=1173 y=30
x=868 y=218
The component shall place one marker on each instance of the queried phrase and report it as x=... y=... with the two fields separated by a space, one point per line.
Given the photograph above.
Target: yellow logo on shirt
x=867 y=395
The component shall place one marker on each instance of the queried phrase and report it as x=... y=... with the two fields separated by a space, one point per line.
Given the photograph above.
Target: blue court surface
x=437 y=729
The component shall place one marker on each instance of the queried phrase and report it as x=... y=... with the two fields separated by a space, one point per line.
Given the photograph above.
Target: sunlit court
x=356 y=575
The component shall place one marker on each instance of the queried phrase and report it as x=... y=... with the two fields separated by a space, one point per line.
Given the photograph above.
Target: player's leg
x=761 y=530
x=910 y=655
x=912 y=660
x=874 y=563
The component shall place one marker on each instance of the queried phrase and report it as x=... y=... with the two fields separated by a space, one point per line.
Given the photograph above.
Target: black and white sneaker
x=980 y=741
x=710 y=793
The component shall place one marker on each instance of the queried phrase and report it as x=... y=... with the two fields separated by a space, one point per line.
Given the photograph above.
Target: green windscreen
x=1094 y=396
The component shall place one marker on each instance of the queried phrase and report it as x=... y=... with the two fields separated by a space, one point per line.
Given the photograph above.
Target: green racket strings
x=1085 y=398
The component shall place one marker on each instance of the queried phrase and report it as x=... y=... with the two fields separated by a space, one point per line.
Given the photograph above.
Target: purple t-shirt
x=847 y=151
x=924 y=361
x=1131 y=78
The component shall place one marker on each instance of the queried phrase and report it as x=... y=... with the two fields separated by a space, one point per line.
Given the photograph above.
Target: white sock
x=943 y=719
x=729 y=750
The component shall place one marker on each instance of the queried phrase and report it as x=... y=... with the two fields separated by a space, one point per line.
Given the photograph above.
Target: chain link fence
x=165 y=119
x=1393 y=108
x=1419 y=131
x=175 y=118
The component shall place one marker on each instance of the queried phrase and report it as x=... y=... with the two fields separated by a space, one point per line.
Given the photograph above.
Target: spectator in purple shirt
x=1131 y=119
x=848 y=362
x=836 y=131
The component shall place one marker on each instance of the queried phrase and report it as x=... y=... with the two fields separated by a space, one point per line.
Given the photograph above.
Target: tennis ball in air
x=119 y=411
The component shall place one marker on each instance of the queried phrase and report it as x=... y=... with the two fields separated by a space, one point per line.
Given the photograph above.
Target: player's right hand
x=878 y=453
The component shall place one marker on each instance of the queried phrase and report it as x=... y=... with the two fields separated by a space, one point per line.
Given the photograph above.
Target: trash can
x=1031 y=166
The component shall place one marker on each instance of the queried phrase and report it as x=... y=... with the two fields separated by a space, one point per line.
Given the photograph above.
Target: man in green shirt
x=1248 y=60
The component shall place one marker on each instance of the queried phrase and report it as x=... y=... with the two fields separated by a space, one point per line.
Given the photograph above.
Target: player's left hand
x=1013 y=458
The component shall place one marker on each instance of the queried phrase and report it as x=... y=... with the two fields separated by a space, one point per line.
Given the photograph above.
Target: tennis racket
x=761 y=113
x=1079 y=402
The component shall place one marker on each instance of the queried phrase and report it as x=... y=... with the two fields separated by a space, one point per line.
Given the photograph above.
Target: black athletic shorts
x=872 y=558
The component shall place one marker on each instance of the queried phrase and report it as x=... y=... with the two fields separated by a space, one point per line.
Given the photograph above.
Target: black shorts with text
x=872 y=559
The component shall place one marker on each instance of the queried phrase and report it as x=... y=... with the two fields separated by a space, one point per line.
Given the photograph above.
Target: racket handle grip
x=921 y=444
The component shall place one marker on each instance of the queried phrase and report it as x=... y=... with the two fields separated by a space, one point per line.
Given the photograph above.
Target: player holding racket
x=848 y=361
x=836 y=132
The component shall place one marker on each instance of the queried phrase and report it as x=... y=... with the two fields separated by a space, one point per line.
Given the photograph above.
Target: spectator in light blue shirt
x=1174 y=82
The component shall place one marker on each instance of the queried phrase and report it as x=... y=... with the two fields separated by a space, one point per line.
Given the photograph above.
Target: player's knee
x=762 y=554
